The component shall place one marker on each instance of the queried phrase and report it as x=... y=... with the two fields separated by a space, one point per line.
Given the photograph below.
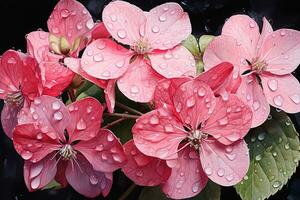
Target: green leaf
x=211 y=192
x=192 y=45
x=204 y=40
x=52 y=185
x=274 y=155
x=93 y=91
x=200 y=67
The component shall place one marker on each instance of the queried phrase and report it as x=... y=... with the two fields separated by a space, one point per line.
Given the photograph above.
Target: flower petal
x=31 y=144
x=71 y=20
x=265 y=32
x=138 y=83
x=167 y=25
x=175 y=62
x=38 y=175
x=230 y=121
x=245 y=30
x=74 y=64
x=281 y=51
x=220 y=162
x=9 y=118
x=187 y=177
x=144 y=170
x=194 y=101
x=87 y=181
x=124 y=21
x=282 y=92
x=104 y=152
x=110 y=95
x=251 y=93
x=165 y=89
x=226 y=49
x=105 y=59
x=38 y=45
x=100 y=31
x=60 y=176
x=158 y=134
x=86 y=116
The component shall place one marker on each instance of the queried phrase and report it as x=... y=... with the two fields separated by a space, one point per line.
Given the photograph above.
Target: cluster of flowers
x=197 y=128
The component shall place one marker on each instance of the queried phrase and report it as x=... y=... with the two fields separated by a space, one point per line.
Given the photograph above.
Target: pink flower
x=19 y=85
x=199 y=135
x=50 y=134
x=265 y=61
x=70 y=29
x=153 y=38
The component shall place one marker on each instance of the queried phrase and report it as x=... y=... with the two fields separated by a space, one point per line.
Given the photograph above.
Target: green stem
x=127 y=192
x=72 y=95
x=123 y=115
x=113 y=123
x=129 y=109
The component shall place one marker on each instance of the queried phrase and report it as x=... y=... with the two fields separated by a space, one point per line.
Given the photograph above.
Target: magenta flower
x=153 y=38
x=266 y=61
x=70 y=29
x=199 y=135
x=19 y=85
x=67 y=143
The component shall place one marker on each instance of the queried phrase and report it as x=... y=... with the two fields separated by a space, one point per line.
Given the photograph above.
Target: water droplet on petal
x=89 y=109
x=90 y=24
x=93 y=180
x=154 y=120
x=273 y=84
x=36 y=169
x=64 y=13
x=233 y=137
x=121 y=33
x=58 y=116
x=117 y=158
x=251 y=24
x=190 y=102
x=231 y=156
x=56 y=105
x=35 y=183
x=35 y=116
x=39 y=136
x=178 y=107
x=228 y=149
x=106 y=74
x=278 y=100
x=81 y=125
x=168 y=55
x=169 y=128
x=208 y=171
x=110 y=137
x=140 y=173
x=256 y=105
x=282 y=33
x=295 y=98
x=37 y=101
x=229 y=177
x=162 y=18
x=287 y=146
x=221 y=172
x=79 y=26
x=113 y=18
x=223 y=121
x=179 y=184
x=120 y=64
x=99 y=147
x=134 y=89
x=26 y=155
x=196 y=187
x=98 y=57
x=155 y=29
x=101 y=45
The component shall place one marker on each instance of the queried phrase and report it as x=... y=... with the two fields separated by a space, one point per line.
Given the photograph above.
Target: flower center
x=195 y=138
x=141 y=46
x=258 y=66
x=67 y=152
x=15 y=98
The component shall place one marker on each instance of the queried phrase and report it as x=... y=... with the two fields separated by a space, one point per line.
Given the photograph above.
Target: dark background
x=18 y=17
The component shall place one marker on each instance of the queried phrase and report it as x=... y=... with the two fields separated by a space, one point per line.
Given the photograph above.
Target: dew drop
x=35 y=183
x=140 y=173
x=39 y=136
x=98 y=57
x=193 y=155
x=256 y=105
x=274 y=153
x=229 y=177
x=110 y=137
x=278 y=100
x=228 y=149
x=190 y=102
x=261 y=136
x=258 y=157
x=120 y=64
x=93 y=180
x=58 y=116
x=26 y=155
x=101 y=45
x=35 y=116
x=37 y=101
x=89 y=109
x=282 y=33
x=79 y=26
x=231 y=156
x=154 y=120
x=273 y=84
x=169 y=128
x=81 y=125
x=246 y=177
x=99 y=147
x=106 y=74
x=178 y=107
x=208 y=171
x=168 y=55
x=121 y=33
x=251 y=24
x=113 y=18
x=117 y=158
x=195 y=187
x=155 y=29
x=55 y=105
x=221 y=172
x=162 y=18
x=90 y=24
x=287 y=146
x=36 y=169
x=295 y=98
x=134 y=89
x=64 y=13
x=223 y=121
x=233 y=137
x=276 y=184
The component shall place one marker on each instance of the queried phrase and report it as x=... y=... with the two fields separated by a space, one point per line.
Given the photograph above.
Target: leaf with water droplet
x=270 y=169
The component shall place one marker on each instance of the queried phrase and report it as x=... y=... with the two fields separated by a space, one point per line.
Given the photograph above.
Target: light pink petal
x=124 y=21
x=230 y=121
x=165 y=90
x=142 y=169
x=87 y=181
x=32 y=144
x=282 y=92
x=225 y=165
x=138 y=83
x=71 y=20
x=74 y=64
x=110 y=95
x=175 y=62
x=38 y=45
x=104 y=152
x=187 y=177
x=251 y=93
x=105 y=59
x=86 y=116
x=244 y=30
x=49 y=114
x=100 y=31
x=167 y=25
x=9 y=119
x=194 y=101
x=158 y=134
x=38 y=175
x=281 y=51
x=226 y=49
x=265 y=32
x=57 y=78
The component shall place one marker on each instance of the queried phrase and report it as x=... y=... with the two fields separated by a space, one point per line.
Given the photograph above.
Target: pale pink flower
x=199 y=135
x=153 y=38
x=266 y=61
x=67 y=143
